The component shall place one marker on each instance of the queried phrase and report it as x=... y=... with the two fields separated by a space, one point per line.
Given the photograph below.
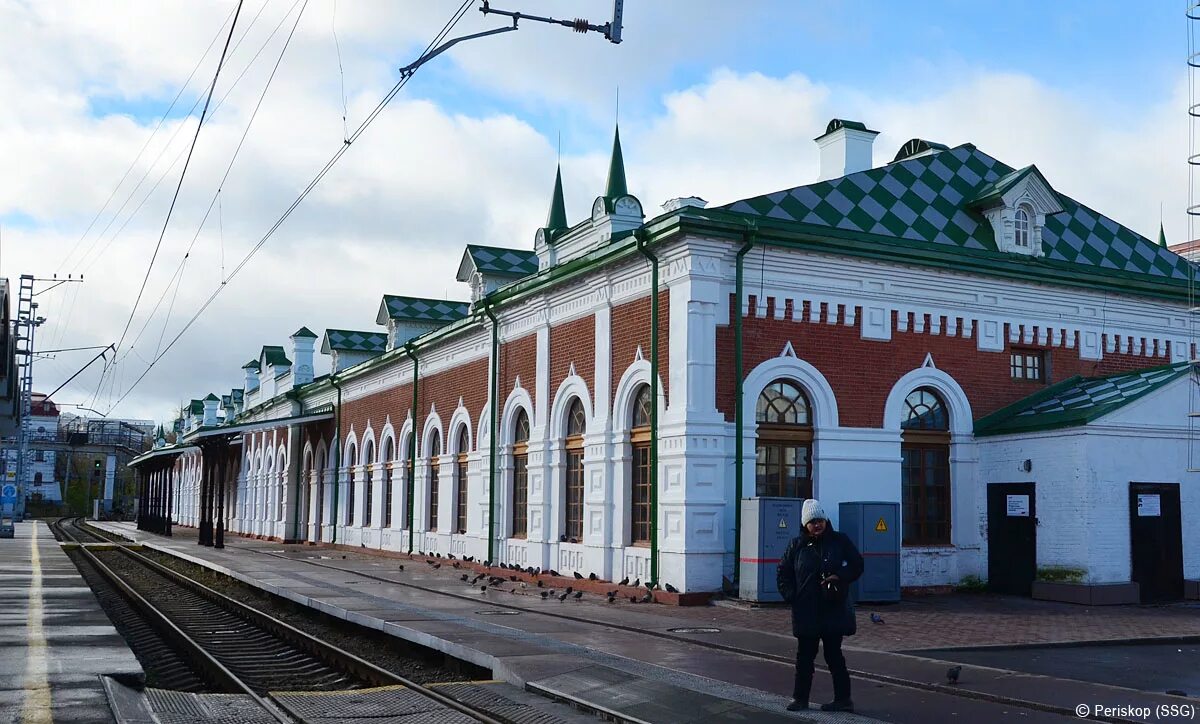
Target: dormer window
x=1021 y=226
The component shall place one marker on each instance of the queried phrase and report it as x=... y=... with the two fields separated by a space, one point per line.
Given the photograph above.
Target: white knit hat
x=812 y=510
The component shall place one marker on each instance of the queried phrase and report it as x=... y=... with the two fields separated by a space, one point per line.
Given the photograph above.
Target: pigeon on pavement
x=625 y=581
x=876 y=618
x=952 y=674
x=672 y=589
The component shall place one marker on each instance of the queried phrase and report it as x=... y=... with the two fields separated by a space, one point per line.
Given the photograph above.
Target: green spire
x=557 y=219
x=616 y=170
x=1162 y=236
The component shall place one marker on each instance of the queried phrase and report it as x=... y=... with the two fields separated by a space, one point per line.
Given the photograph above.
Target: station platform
x=55 y=640
x=651 y=663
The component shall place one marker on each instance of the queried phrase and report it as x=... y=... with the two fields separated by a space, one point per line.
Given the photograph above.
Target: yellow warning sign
x=881 y=526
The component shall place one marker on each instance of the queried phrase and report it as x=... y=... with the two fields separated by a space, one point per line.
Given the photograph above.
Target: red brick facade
x=573 y=343
x=862 y=372
x=631 y=329
x=518 y=358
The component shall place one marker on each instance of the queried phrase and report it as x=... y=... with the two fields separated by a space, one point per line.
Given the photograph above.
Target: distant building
x=1189 y=250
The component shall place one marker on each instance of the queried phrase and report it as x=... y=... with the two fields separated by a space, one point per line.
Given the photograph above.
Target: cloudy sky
x=100 y=101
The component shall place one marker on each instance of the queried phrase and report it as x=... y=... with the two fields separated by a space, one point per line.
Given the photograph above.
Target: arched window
x=409 y=486
x=351 y=464
x=925 y=468
x=639 y=439
x=319 y=514
x=460 y=473
x=576 y=424
x=281 y=468
x=388 y=461
x=368 y=486
x=1021 y=226
x=520 y=496
x=435 y=451
x=783 y=452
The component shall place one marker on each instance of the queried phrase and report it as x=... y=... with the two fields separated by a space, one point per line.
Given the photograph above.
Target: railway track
x=209 y=641
x=75 y=531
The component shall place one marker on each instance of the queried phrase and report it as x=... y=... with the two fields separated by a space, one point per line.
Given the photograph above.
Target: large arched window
x=639 y=467
x=351 y=464
x=319 y=513
x=388 y=460
x=520 y=459
x=783 y=453
x=281 y=469
x=368 y=486
x=925 y=468
x=435 y=452
x=1021 y=226
x=409 y=483
x=460 y=474
x=576 y=424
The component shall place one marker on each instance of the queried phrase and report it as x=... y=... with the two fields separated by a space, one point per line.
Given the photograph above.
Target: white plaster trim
x=814 y=384
x=433 y=422
x=458 y=419
x=572 y=386
x=961 y=421
x=518 y=399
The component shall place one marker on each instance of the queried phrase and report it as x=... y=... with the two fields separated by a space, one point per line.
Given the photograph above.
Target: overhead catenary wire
x=176 y=279
x=182 y=176
x=346 y=144
x=229 y=167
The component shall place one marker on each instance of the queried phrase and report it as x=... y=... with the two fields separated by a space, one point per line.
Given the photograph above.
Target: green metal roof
x=304 y=332
x=557 y=218
x=918 y=145
x=838 y=123
x=507 y=262
x=349 y=340
x=990 y=193
x=211 y=396
x=616 y=186
x=196 y=407
x=251 y=365
x=1077 y=400
x=424 y=310
x=929 y=199
x=275 y=356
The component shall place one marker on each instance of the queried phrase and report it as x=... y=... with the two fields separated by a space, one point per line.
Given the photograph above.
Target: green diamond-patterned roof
x=426 y=310
x=1078 y=400
x=509 y=262
x=350 y=340
x=927 y=199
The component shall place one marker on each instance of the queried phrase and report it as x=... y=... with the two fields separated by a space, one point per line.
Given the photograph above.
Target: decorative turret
x=617 y=210
x=303 y=342
x=616 y=186
x=556 y=220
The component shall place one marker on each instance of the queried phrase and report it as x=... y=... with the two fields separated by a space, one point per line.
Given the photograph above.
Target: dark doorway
x=1012 y=537
x=1156 y=540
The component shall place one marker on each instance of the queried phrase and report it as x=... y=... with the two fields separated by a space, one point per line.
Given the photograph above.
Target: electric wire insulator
x=580 y=25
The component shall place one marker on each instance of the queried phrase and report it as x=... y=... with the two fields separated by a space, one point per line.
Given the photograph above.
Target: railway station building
x=942 y=331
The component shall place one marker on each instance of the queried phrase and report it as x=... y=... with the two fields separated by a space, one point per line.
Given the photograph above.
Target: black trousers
x=806 y=653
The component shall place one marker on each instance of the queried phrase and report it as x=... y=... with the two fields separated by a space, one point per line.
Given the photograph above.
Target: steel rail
x=330 y=654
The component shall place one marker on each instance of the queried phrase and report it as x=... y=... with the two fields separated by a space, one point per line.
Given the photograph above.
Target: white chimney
x=845 y=148
x=679 y=203
x=211 y=403
x=303 y=342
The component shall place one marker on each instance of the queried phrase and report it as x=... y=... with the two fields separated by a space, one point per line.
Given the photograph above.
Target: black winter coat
x=805 y=562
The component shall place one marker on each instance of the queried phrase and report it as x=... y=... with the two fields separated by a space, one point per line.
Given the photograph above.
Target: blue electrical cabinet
x=875 y=529
x=768 y=525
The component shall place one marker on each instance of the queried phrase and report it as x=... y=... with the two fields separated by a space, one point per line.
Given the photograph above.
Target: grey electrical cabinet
x=768 y=524
x=875 y=529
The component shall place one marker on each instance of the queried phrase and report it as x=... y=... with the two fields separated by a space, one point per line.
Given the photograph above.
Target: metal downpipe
x=492 y=430
x=337 y=448
x=409 y=504
x=645 y=251
x=748 y=240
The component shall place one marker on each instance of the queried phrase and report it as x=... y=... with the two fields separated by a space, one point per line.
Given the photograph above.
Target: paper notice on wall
x=1018 y=506
x=1149 y=505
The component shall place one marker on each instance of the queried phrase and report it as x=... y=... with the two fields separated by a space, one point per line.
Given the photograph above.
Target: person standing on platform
x=814 y=576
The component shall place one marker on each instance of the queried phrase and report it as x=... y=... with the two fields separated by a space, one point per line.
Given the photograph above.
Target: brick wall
x=573 y=342
x=631 y=329
x=375 y=408
x=862 y=372
x=518 y=358
x=469 y=381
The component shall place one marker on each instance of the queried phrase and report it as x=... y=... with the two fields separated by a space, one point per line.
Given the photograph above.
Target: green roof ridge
x=304 y=332
x=616 y=185
x=557 y=218
x=211 y=396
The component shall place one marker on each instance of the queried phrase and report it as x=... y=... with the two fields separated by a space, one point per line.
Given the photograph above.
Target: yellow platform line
x=37 y=709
